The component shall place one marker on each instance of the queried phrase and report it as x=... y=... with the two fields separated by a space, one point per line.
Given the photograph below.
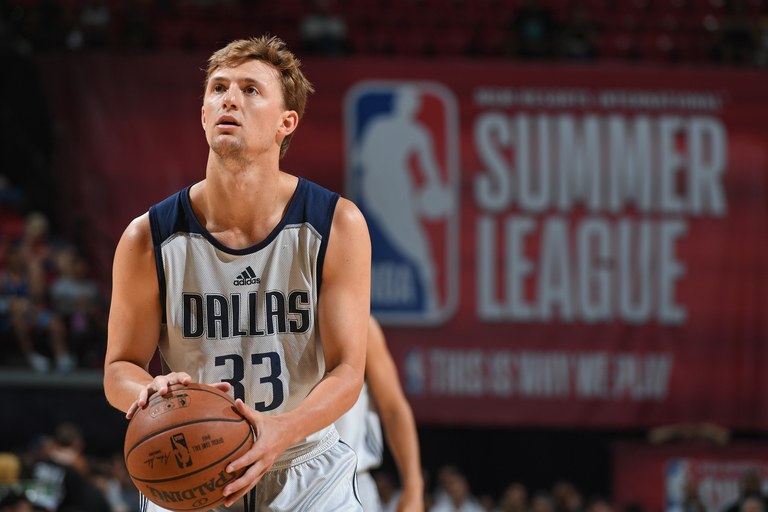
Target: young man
x=383 y=403
x=225 y=278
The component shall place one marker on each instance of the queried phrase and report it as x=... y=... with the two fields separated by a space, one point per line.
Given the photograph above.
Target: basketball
x=178 y=446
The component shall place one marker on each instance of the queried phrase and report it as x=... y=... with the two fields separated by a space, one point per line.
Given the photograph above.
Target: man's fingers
x=131 y=411
x=248 y=413
x=237 y=489
x=222 y=386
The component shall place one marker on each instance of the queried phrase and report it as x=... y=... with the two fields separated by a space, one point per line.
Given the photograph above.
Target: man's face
x=243 y=112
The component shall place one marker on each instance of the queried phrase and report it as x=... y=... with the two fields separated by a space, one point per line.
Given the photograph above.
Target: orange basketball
x=178 y=446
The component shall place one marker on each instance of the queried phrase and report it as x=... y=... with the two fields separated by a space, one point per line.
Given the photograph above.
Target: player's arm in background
x=396 y=419
x=343 y=311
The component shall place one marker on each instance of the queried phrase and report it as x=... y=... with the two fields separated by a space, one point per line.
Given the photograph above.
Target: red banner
x=553 y=245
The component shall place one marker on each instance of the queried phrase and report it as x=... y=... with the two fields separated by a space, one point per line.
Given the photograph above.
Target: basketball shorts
x=323 y=479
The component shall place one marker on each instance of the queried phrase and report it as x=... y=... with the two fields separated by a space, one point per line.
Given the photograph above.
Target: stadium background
x=100 y=120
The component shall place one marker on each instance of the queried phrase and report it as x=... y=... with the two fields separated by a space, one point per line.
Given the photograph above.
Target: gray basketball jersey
x=360 y=427
x=246 y=316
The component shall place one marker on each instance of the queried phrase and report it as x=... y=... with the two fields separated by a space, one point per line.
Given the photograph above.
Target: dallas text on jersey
x=217 y=316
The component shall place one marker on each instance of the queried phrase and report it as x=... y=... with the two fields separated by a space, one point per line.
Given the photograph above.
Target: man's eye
x=251 y=90
x=218 y=88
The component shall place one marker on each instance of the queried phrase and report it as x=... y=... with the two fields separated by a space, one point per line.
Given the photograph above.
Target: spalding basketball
x=178 y=446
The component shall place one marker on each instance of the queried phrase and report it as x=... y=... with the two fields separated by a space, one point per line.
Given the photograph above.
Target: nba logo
x=402 y=172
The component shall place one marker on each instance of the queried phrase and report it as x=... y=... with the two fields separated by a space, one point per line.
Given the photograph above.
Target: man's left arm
x=343 y=312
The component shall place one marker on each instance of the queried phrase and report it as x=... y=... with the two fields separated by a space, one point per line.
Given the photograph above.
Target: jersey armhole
x=324 y=241
x=157 y=241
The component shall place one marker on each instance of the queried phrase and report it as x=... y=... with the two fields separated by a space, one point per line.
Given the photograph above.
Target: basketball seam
x=191 y=387
x=147 y=481
x=179 y=425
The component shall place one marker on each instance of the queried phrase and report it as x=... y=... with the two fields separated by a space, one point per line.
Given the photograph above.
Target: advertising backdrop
x=553 y=245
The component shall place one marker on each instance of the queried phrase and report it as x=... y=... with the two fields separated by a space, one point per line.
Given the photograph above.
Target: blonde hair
x=273 y=51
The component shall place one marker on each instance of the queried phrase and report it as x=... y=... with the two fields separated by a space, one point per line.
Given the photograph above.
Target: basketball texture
x=178 y=446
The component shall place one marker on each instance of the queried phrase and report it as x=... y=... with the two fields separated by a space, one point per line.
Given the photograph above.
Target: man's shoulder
x=171 y=215
x=172 y=199
x=313 y=187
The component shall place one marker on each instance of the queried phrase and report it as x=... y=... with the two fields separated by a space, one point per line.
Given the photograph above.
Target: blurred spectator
x=542 y=501
x=738 y=36
x=455 y=494
x=750 y=489
x=75 y=298
x=599 y=504
x=15 y=501
x=25 y=318
x=692 y=499
x=388 y=491
x=567 y=497
x=752 y=504
x=578 y=38
x=130 y=495
x=110 y=486
x=322 y=31
x=11 y=197
x=12 y=497
x=10 y=468
x=95 y=20
x=68 y=448
x=514 y=498
x=74 y=37
x=58 y=467
x=487 y=503
x=38 y=253
x=533 y=31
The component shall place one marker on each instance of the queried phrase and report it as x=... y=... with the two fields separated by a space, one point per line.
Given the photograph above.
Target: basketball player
x=225 y=278
x=383 y=403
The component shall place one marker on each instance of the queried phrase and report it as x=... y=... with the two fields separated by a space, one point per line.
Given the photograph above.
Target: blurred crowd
x=57 y=472
x=731 y=32
x=52 y=312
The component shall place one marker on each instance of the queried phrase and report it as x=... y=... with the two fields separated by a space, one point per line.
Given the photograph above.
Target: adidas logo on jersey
x=248 y=276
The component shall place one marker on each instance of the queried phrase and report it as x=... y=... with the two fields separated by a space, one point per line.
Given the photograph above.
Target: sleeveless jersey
x=246 y=316
x=360 y=427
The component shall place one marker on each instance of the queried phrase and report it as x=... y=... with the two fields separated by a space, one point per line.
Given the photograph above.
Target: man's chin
x=226 y=147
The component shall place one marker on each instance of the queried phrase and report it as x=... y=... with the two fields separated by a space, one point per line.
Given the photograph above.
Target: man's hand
x=162 y=384
x=271 y=441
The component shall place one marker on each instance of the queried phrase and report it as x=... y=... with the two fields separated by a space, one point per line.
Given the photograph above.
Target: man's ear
x=202 y=116
x=289 y=122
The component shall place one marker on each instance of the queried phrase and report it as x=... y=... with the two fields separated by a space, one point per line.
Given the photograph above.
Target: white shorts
x=324 y=481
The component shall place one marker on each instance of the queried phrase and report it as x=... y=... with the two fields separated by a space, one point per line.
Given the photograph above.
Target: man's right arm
x=134 y=317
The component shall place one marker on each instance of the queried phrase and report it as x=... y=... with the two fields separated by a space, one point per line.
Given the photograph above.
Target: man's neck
x=242 y=205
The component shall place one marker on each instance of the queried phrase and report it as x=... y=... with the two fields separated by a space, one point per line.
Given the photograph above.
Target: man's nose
x=231 y=98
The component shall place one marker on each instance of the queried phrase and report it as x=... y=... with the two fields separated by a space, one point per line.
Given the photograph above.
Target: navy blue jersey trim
x=166 y=218
x=329 y=205
x=310 y=203
x=292 y=216
x=157 y=241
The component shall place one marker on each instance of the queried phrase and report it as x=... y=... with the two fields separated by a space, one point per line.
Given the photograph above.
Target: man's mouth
x=227 y=121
